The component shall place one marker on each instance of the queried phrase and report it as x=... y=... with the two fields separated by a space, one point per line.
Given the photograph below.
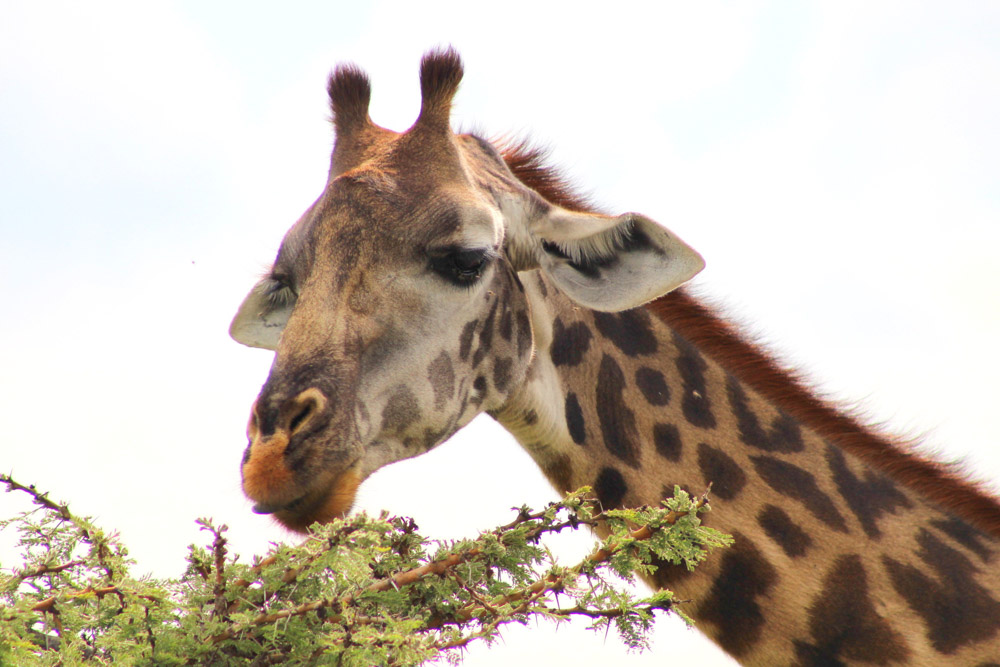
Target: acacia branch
x=405 y=578
x=291 y=573
x=439 y=567
x=219 y=553
x=467 y=604
x=45 y=569
x=522 y=598
x=38 y=497
x=553 y=582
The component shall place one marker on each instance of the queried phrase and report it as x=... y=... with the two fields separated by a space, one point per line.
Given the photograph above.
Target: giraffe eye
x=461 y=266
x=278 y=290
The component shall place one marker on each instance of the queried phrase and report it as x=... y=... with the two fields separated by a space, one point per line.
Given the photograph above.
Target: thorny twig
x=38 y=497
x=219 y=552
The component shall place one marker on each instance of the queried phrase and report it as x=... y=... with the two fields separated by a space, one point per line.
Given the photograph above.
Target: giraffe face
x=402 y=320
x=394 y=305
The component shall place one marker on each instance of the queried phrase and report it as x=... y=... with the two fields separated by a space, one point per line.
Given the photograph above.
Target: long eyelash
x=445 y=261
x=277 y=293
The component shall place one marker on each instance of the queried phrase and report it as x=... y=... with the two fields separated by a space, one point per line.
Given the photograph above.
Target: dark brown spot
x=501 y=373
x=721 y=471
x=844 y=624
x=441 y=375
x=652 y=385
x=786 y=533
x=486 y=335
x=610 y=488
x=695 y=405
x=784 y=434
x=574 y=419
x=966 y=535
x=616 y=419
x=957 y=610
x=465 y=340
x=400 y=411
x=794 y=482
x=868 y=498
x=631 y=331
x=530 y=417
x=569 y=344
x=731 y=605
x=667 y=440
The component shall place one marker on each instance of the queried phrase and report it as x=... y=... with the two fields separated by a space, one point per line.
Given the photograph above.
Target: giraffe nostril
x=300 y=417
x=303 y=408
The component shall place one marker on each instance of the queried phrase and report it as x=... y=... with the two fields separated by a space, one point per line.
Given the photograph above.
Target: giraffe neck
x=835 y=562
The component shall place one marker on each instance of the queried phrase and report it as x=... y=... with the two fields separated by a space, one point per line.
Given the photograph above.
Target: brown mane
x=751 y=364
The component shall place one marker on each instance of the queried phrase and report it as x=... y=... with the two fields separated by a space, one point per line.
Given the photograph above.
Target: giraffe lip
x=271 y=508
x=265 y=508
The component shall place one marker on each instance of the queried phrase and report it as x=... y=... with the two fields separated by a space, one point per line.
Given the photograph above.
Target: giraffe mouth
x=272 y=508
x=328 y=500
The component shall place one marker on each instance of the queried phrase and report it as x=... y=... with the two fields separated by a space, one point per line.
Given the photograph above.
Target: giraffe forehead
x=377 y=212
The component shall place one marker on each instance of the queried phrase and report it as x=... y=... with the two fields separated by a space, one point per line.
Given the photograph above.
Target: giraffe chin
x=322 y=504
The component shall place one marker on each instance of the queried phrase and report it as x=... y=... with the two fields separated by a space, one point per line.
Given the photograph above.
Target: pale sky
x=837 y=164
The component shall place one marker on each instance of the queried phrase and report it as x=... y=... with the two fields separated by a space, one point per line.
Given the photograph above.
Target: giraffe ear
x=612 y=263
x=261 y=318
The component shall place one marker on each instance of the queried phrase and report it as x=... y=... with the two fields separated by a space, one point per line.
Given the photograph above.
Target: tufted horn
x=440 y=73
x=350 y=93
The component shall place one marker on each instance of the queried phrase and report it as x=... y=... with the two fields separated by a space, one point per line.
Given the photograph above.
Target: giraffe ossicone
x=439 y=276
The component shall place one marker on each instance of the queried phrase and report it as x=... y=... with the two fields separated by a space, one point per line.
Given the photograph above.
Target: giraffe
x=441 y=275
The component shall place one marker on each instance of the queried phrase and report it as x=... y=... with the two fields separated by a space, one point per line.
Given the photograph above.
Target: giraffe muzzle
x=286 y=468
x=276 y=459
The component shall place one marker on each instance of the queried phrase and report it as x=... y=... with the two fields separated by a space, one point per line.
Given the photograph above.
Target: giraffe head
x=394 y=304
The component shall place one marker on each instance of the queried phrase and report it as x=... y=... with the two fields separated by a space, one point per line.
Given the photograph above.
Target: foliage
x=362 y=591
